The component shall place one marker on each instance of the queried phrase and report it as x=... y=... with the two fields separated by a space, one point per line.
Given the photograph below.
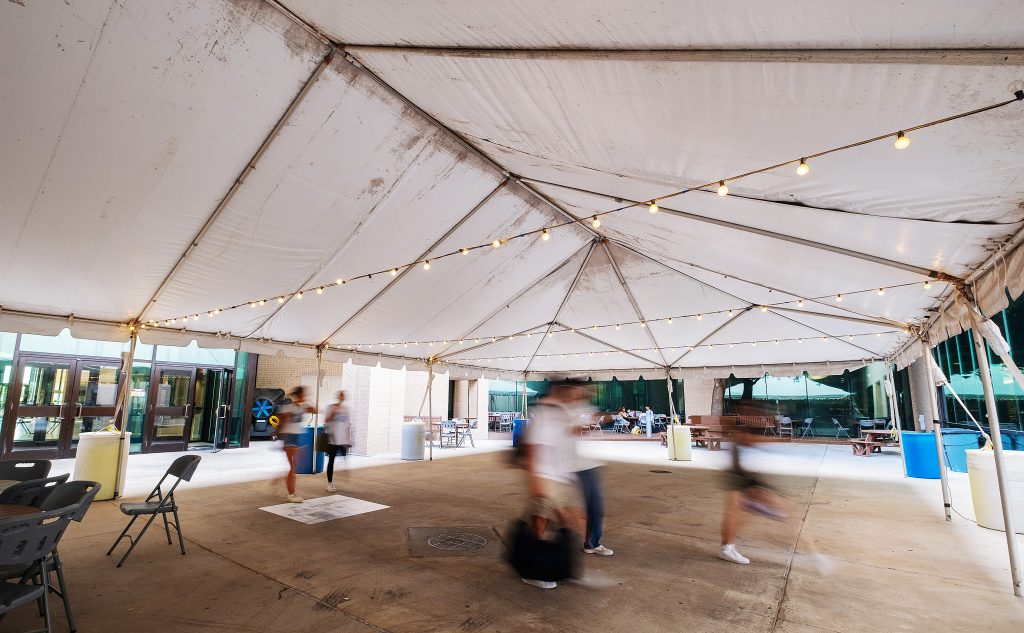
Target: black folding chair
x=27 y=541
x=24 y=469
x=158 y=503
x=33 y=492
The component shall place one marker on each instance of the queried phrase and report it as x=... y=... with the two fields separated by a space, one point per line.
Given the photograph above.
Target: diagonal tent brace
x=712 y=333
x=391 y=283
x=237 y=184
x=840 y=317
x=823 y=333
x=602 y=342
x=444 y=355
x=632 y=301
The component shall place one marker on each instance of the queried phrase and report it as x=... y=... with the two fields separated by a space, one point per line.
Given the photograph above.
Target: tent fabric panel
x=652 y=24
x=755 y=371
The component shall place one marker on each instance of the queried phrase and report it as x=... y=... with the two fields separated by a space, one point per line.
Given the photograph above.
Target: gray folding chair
x=32 y=492
x=808 y=427
x=785 y=427
x=448 y=432
x=158 y=503
x=464 y=432
x=24 y=469
x=841 y=429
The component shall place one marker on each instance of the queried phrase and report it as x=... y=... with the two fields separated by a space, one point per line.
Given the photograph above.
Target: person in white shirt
x=338 y=427
x=588 y=472
x=296 y=415
x=647 y=417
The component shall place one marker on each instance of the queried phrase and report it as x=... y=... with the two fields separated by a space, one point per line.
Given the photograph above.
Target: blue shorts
x=292 y=440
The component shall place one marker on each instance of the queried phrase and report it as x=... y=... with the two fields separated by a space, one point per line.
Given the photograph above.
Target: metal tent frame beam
x=632 y=301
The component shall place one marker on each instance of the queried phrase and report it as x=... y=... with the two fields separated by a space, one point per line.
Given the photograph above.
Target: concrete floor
x=897 y=566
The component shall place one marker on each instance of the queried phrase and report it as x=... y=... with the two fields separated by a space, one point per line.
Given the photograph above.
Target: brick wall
x=697 y=395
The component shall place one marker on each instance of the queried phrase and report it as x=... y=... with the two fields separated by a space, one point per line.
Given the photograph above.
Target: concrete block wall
x=698 y=394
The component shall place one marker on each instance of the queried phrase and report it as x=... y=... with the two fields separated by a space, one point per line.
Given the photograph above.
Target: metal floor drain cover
x=662 y=472
x=456 y=541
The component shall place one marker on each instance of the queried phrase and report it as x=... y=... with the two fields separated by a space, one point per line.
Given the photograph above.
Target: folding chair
x=158 y=503
x=841 y=429
x=808 y=427
x=26 y=541
x=448 y=430
x=32 y=492
x=785 y=427
x=24 y=469
x=467 y=431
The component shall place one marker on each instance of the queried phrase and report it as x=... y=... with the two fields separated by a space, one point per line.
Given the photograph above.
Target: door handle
x=223 y=413
x=60 y=412
x=188 y=410
x=80 y=409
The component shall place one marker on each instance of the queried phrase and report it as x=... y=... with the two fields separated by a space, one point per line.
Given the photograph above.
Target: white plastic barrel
x=96 y=460
x=412 y=440
x=679 y=446
x=981 y=471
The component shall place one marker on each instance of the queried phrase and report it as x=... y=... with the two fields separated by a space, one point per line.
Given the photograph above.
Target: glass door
x=171 y=401
x=212 y=408
x=38 y=411
x=96 y=397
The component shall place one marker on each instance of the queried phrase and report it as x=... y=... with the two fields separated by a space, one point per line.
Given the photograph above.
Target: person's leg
x=331 y=452
x=730 y=519
x=292 y=453
x=587 y=485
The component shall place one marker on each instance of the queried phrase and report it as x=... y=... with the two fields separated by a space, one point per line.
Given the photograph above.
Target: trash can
x=921 y=457
x=96 y=460
x=981 y=471
x=518 y=427
x=956 y=443
x=412 y=440
x=678 y=440
x=304 y=461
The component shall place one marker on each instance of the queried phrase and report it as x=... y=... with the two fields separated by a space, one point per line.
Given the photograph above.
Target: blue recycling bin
x=919 y=452
x=304 y=465
x=955 y=444
x=518 y=427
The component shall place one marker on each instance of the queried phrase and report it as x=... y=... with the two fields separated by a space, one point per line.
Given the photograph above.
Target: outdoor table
x=9 y=511
x=7 y=483
x=458 y=425
x=699 y=434
x=877 y=435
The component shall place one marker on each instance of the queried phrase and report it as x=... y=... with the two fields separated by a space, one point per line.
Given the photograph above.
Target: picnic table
x=872 y=441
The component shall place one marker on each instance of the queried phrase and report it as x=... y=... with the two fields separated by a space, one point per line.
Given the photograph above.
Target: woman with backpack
x=338 y=431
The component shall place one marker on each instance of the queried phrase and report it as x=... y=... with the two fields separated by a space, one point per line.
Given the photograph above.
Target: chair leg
x=46 y=594
x=135 y=541
x=177 y=528
x=63 y=592
x=167 y=528
x=123 y=532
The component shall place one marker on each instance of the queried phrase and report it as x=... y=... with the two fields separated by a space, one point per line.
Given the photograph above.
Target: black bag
x=539 y=559
x=323 y=443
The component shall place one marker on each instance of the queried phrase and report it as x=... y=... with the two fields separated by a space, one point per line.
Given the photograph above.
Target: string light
x=802 y=169
x=700 y=317
x=901 y=141
x=800 y=303
x=298 y=295
x=723 y=190
x=426 y=265
x=261 y=302
x=881 y=292
x=320 y=290
x=496 y=243
x=642 y=324
x=252 y=304
x=653 y=208
x=839 y=298
x=339 y=282
x=545 y=235
x=210 y=314
x=280 y=299
x=393 y=271
x=195 y=317
x=927 y=284
x=596 y=223
x=217 y=311
x=464 y=251
x=669 y=322
x=729 y=312
x=764 y=308
x=616 y=327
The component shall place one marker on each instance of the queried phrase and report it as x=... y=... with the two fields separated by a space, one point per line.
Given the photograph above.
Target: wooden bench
x=865 y=447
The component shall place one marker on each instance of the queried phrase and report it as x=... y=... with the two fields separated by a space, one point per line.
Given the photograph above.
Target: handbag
x=323 y=443
x=541 y=559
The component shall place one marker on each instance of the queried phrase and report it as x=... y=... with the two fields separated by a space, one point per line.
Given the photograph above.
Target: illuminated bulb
x=732 y=345
x=753 y=343
x=729 y=312
x=670 y=320
x=339 y=281
x=700 y=317
x=550 y=334
x=776 y=342
x=217 y=311
x=426 y=265
x=653 y=208
x=927 y=285
x=545 y=235
x=298 y=295
x=802 y=169
x=594 y=328
x=642 y=324
x=320 y=290
x=839 y=298
x=723 y=190
x=252 y=304
x=573 y=330
x=595 y=222
x=460 y=341
x=210 y=314
x=901 y=141
x=279 y=300
x=394 y=271
x=431 y=343
x=169 y=321
x=261 y=302
x=173 y=321
x=464 y=251
x=195 y=317
x=824 y=339
x=799 y=340
x=711 y=348
x=476 y=340
x=496 y=243
x=800 y=303
x=876 y=334
x=764 y=308
x=881 y=292
x=616 y=326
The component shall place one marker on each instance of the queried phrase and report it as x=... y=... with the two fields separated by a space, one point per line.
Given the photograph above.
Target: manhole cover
x=456 y=541
x=662 y=472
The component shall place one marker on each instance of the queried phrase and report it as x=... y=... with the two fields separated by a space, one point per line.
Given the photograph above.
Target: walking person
x=293 y=432
x=589 y=473
x=338 y=428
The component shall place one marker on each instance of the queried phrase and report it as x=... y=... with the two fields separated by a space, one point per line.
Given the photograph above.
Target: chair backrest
x=867 y=424
x=80 y=493
x=184 y=467
x=808 y=422
x=786 y=422
x=26 y=539
x=448 y=425
x=836 y=422
x=31 y=493
x=24 y=469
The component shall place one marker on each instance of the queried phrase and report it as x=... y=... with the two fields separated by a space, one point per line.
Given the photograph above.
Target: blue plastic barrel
x=919 y=451
x=956 y=443
x=304 y=465
x=518 y=426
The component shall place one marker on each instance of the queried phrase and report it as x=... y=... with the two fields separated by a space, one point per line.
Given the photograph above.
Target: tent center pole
x=937 y=430
x=121 y=412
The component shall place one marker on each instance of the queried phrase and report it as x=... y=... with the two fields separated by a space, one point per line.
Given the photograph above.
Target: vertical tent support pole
x=524 y=395
x=121 y=413
x=671 y=439
x=430 y=407
x=997 y=454
x=895 y=414
x=937 y=430
x=316 y=416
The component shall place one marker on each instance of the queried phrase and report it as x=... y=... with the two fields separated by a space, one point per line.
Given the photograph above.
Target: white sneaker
x=330 y=487
x=294 y=499
x=541 y=584
x=600 y=550
x=729 y=553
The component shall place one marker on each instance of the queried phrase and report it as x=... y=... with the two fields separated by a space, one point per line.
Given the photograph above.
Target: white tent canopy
x=166 y=162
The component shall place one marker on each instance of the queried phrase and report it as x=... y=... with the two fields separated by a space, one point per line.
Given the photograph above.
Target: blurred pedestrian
x=589 y=473
x=293 y=434
x=338 y=429
x=648 y=420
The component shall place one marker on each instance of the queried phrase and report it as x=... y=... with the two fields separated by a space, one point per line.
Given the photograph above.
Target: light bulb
x=642 y=324
x=252 y=304
x=279 y=300
x=839 y=298
x=776 y=342
x=320 y=290
x=496 y=243
x=700 y=317
x=802 y=169
x=902 y=141
x=545 y=235
x=550 y=334
x=394 y=271
x=824 y=339
x=595 y=222
x=764 y=308
x=881 y=292
x=799 y=340
x=298 y=295
x=927 y=284
x=210 y=314
x=653 y=208
x=753 y=343
x=616 y=326
x=464 y=251
x=722 y=189
x=732 y=344
x=729 y=313
x=670 y=320
x=217 y=311
x=261 y=302
x=170 y=321
x=426 y=265
x=339 y=281
x=800 y=303
x=195 y=317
